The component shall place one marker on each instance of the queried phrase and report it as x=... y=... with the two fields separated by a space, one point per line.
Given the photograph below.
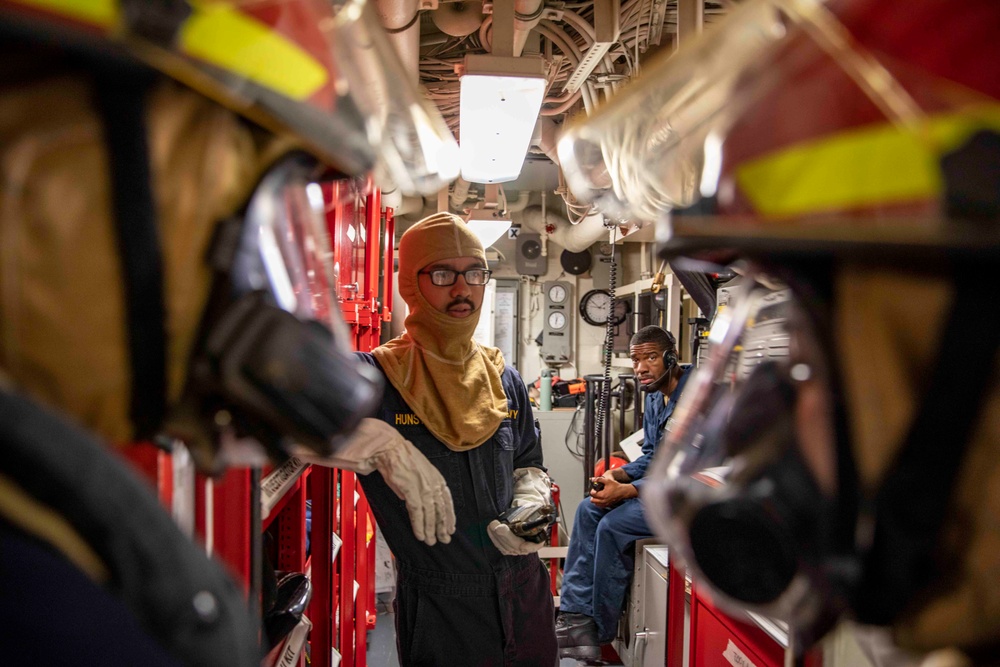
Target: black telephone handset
x=530 y=522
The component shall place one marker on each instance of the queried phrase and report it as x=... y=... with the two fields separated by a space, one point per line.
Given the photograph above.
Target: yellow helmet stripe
x=863 y=167
x=219 y=34
x=222 y=36
x=102 y=13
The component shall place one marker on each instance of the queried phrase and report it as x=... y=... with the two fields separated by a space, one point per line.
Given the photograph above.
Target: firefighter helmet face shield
x=744 y=120
x=417 y=151
x=276 y=357
x=744 y=487
x=322 y=73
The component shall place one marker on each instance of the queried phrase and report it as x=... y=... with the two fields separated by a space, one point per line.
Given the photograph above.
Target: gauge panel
x=557 y=323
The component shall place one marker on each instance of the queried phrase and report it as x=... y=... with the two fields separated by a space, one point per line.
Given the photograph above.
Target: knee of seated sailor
x=588 y=512
x=606 y=531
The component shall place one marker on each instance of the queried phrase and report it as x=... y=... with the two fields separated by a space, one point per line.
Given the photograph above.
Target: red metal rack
x=344 y=593
x=228 y=513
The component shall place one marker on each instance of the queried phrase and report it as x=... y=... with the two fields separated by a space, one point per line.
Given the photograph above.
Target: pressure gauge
x=558 y=329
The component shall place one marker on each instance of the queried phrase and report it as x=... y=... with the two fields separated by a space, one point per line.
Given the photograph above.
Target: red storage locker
x=719 y=639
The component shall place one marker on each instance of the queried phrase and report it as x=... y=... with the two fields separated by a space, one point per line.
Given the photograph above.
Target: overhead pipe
x=520 y=203
x=410 y=205
x=401 y=19
x=564 y=105
x=460 y=197
x=458 y=19
x=551 y=31
x=545 y=225
x=547 y=138
x=459 y=193
x=527 y=15
x=575 y=238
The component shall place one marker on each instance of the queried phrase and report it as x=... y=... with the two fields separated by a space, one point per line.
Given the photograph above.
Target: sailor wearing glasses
x=483 y=597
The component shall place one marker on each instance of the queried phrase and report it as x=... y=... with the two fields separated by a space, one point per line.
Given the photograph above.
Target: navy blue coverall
x=600 y=558
x=465 y=603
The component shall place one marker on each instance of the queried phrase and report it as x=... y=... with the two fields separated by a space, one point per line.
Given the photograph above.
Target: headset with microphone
x=669 y=361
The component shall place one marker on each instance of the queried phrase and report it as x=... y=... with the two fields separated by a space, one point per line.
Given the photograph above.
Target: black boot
x=577 y=636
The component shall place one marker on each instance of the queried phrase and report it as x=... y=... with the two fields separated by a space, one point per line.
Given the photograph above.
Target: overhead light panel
x=500 y=101
x=489 y=225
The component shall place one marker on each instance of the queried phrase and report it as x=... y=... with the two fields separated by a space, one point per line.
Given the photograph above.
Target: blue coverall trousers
x=600 y=561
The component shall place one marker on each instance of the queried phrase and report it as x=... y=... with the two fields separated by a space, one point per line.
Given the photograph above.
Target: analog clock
x=557 y=294
x=557 y=320
x=595 y=307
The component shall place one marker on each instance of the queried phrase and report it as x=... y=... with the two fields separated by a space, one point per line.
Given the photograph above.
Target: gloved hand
x=375 y=445
x=531 y=487
x=508 y=543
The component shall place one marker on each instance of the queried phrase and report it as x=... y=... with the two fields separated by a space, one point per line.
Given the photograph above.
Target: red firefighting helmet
x=322 y=72
x=851 y=150
x=805 y=125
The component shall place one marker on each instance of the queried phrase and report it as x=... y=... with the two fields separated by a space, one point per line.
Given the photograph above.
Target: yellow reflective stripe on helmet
x=222 y=36
x=865 y=167
x=219 y=34
x=102 y=13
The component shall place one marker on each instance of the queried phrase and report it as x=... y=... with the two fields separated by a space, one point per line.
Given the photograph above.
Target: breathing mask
x=740 y=489
x=274 y=360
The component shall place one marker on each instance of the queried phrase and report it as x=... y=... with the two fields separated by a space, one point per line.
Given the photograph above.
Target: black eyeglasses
x=446 y=277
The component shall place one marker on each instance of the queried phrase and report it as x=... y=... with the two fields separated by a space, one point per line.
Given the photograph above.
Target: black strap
x=122 y=104
x=177 y=593
x=912 y=504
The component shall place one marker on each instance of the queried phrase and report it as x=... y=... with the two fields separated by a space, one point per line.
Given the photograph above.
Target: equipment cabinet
x=309 y=519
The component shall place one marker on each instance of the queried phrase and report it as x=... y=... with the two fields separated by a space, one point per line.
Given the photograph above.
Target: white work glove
x=375 y=445
x=531 y=487
x=508 y=543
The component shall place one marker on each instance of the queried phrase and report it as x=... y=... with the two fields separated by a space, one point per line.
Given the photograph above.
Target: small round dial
x=557 y=320
x=557 y=294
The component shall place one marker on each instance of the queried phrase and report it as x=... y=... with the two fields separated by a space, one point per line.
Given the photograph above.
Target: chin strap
x=121 y=98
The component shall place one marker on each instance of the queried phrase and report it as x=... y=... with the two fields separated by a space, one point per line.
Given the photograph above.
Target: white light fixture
x=489 y=225
x=500 y=101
